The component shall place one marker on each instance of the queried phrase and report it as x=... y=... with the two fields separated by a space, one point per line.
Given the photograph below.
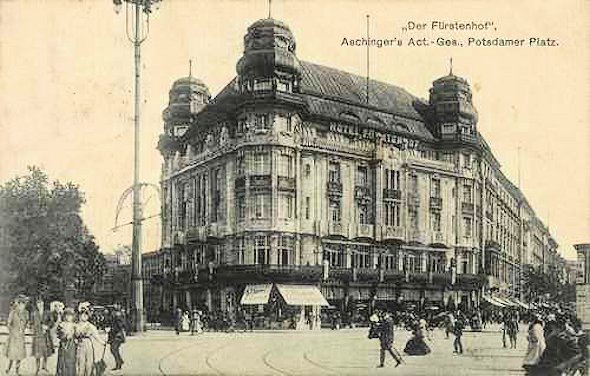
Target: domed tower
x=187 y=97
x=452 y=108
x=269 y=62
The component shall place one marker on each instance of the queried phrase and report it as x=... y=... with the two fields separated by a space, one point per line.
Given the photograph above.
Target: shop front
x=283 y=306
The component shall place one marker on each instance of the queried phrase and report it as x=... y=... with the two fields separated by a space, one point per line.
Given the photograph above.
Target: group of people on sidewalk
x=70 y=331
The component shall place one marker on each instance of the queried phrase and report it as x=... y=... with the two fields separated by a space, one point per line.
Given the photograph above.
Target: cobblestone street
x=345 y=352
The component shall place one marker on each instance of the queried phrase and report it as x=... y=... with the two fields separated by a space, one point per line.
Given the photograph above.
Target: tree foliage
x=45 y=246
x=547 y=283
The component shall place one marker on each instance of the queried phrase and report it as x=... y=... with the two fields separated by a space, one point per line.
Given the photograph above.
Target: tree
x=546 y=282
x=45 y=248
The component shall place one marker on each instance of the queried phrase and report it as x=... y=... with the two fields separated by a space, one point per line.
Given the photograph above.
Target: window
x=241 y=207
x=413 y=214
x=240 y=247
x=435 y=221
x=285 y=250
x=467 y=194
x=467 y=226
x=262 y=84
x=363 y=214
x=361 y=257
x=289 y=125
x=261 y=121
x=392 y=214
x=286 y=206
x=307 y=169
x=414 y=183
x=261 y=205
x=334 y=172
x=392 y=179
x=389 y=262
x=283 y=85
x=307 y=207
x=466 y=160
x=262 y=163
x=361 y=176
x=240 y=165
x=435 y=188
x=335 y=256
x=286 y=165
x=335 y=211
x=261 y=250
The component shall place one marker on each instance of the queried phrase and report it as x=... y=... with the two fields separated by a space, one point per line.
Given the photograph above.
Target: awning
x=493 y=301
x=256 y=294
x=520 y=303
x=302 y=295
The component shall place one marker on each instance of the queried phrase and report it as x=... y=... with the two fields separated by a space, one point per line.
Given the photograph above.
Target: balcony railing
x=367 y=274
x=392 y=194
x=362 y=192
x=436 y=203
x=365 y=230
x=337 y=228
x=269 y=272
x=467 y=207
x=286 y=183
x=392 y=232
x=334 y=188
x=260 y=182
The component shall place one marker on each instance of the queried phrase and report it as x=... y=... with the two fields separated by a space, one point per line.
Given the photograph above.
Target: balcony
x=364 y=230
x=269 y=272
x=438 y=237
x=467 y=208
x=392 y=232
x=240 y=183
x=286 y=183
x=417 y=236
x=340 y=273
x=337 y=229
x=391 y=275
x=260 y=182
x=367 y=274
x=362 y=192
x=436 y=203
x=334 y=188
x=392 y=194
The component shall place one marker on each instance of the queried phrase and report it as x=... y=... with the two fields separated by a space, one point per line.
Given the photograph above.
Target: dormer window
x=283 y=86
x=263 y=84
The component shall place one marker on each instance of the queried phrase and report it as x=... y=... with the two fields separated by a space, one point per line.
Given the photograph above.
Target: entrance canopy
x=256 y=294
x=302 y=295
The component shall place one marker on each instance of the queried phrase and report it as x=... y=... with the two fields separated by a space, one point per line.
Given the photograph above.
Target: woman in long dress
x=417 y=345
x=537 y=344
x=17 y=323
x=42 y=346
x=86 y=333
x=66 y=355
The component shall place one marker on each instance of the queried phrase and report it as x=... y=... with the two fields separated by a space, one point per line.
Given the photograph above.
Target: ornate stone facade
x=293 y=172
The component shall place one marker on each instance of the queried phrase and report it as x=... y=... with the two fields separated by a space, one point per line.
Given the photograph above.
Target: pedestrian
x=86 y=333
x=196 y=326
x=458 y=332
x=16 y=324
x=512 y=330
x=178 y=321
x=536 y=346
x=385 y=333
x=116 y=338
x=417 y=345
x=42 y=346
x=66 y=353
x=449 y=324
x=186 y=322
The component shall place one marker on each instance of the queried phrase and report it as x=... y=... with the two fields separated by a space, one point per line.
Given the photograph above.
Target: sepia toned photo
x=294 y=187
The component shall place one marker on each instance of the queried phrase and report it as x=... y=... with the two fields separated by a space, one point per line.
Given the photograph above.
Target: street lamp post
x=137 y=13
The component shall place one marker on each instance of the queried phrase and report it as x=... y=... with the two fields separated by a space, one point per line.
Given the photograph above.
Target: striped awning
x=302 y=295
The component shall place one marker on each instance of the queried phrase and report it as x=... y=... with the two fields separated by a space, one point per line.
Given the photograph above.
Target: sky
x=66 y=88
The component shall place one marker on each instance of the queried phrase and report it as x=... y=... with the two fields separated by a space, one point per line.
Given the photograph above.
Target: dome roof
x=269 y=45
x=187 y=96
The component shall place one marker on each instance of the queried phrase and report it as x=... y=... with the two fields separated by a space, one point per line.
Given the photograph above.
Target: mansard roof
x=337 y=95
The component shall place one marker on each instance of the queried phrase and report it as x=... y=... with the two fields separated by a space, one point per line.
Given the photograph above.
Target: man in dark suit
x=116 y=338
x=385 y=332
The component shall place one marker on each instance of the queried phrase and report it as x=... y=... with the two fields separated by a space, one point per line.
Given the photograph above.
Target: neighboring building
x=113 y=287
x=295 y=174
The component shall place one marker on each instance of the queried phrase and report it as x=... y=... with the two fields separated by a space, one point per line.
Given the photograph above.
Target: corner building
x=295 y=174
